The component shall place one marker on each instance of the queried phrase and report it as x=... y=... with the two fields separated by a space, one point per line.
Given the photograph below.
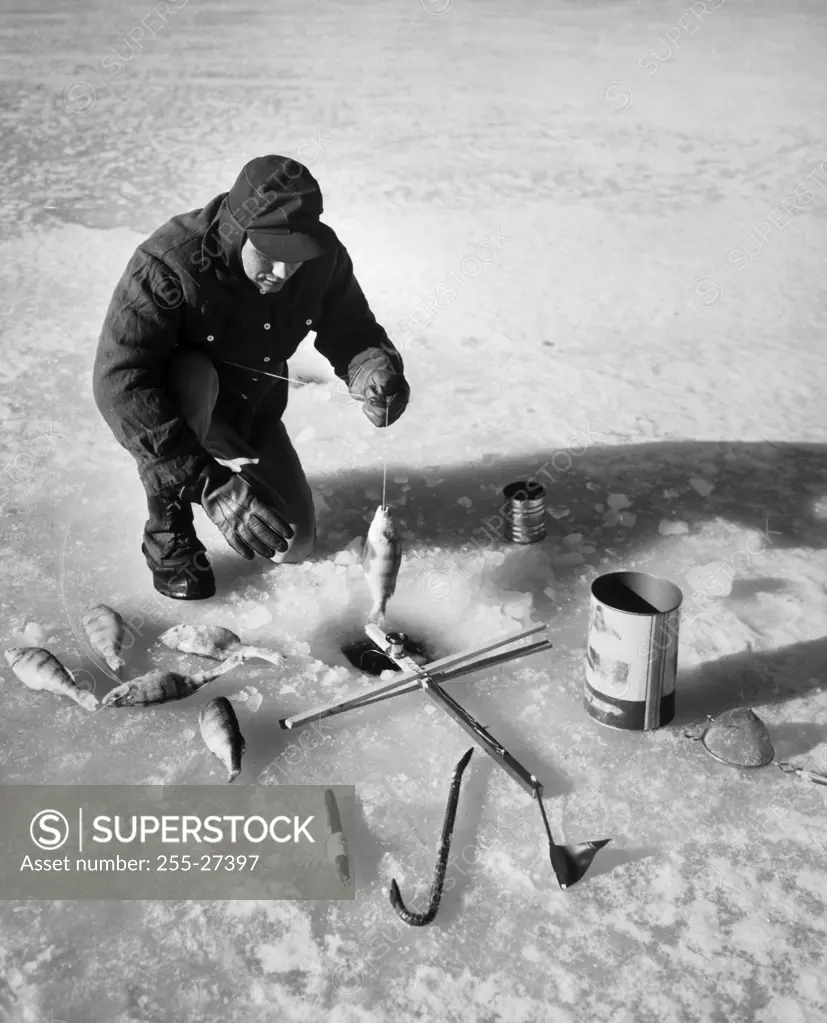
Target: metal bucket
x=524 y=512
x=632 y=651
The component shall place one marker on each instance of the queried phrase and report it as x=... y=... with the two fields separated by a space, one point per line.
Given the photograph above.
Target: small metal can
x=524 y=511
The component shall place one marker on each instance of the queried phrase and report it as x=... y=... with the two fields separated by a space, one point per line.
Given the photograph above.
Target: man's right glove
x=250 y=526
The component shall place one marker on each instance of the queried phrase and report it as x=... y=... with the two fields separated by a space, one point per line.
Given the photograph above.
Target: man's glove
x=382 y=388
x=250 y=526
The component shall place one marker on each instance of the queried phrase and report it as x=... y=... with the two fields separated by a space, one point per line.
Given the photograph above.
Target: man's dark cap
x=278 y=202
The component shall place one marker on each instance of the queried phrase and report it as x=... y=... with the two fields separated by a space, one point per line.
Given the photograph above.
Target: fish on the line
x=105 y=630
x=40 y=670
x=222 y=735
x=161 y=686
x=215 y=641
x=381 y=559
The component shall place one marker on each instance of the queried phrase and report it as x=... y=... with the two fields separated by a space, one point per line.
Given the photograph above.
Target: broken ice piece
x=256 y=618
x=627 y=519
x=520 y=607
x=672 y=528
x=431 y=481
x=592 y=486
x=573 y=539
x=611 y=518
x=703 y=487
x=587 y=548
x=571 y=558
x=34 y=634
x=670 y=495
x=494 y=557
x=241 y=696
x=559 y=511
x=618 y=501
x=550 y=593
x=400 y=477
x=188 y=734
x=466 y=502
x=254 y=699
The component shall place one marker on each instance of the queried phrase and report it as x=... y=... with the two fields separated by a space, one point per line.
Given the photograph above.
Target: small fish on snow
x=222 y=735
x=40 y=670
x=381 y=561
x=214 y=641
x=106 y=630
x=162 y=686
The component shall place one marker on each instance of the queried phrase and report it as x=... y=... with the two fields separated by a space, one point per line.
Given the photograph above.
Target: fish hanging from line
x=214 y=641
x=105 y=630
x=163 y=686
x=381 y=559
x=222 y=735
x=39 y=669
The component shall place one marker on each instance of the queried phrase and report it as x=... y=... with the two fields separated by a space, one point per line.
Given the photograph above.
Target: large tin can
x=632 y=650
x=524 y=511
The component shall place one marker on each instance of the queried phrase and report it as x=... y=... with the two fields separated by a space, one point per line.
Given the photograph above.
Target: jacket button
x=244 y=396
x=266 y=326
x=210 y=337
x=266 y=358
x=308 y=322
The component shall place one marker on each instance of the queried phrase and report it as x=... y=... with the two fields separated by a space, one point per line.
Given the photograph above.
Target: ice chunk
x=618 y=501
x=587 y=548
x=670 y=495
x=34 y=634
x=573 y=539
x=703 y=487
x=559 y=511
x=611 y=518
x=466 y=502
x=550 y=593
x=571 y=558
x=255 y=618
x=400 y=477
x=519 y=607
x=254 y=699
x=592 y=486
x=241 y=696
x=627 y=519
x=672 y=528
x=188 y=734
x=494 y=557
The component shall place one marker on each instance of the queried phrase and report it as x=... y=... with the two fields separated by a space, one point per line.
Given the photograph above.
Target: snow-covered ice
x=649 y=183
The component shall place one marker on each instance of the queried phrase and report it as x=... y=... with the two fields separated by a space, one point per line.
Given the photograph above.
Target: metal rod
x=484 y=738
x=454 y=674
x=326 y=709
x=420 y=919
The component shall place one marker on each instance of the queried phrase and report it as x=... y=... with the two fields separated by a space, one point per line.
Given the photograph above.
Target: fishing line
x=385 y=458
x=276 y=376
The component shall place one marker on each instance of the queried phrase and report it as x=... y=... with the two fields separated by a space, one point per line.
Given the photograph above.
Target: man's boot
x=173 y=552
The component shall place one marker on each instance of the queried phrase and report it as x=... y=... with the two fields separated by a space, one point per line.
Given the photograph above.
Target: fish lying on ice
x=40 y=670
x=162 y=686
x=381 y=559
x=214 y=641
x=220 y=732
x=106 y=630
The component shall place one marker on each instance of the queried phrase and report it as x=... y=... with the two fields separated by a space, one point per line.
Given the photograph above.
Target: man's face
x=268 y=275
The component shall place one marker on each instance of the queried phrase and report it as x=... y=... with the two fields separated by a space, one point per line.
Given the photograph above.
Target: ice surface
x=623 y=341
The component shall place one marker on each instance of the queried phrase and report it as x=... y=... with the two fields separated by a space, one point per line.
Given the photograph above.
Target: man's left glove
x=384 y=390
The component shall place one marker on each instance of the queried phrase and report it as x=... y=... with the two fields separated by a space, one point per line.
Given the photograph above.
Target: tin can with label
x=632 y=650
